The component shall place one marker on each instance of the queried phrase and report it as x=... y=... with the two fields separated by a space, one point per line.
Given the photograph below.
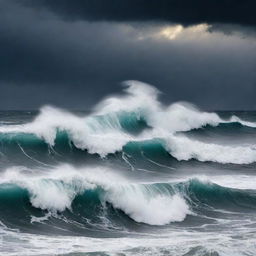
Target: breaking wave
x=153 y=204
x=136 y=117
x=85 y=194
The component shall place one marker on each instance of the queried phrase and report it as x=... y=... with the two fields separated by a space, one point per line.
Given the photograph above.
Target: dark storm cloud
x=47 y=59
x=186 y=12
x=233 y=29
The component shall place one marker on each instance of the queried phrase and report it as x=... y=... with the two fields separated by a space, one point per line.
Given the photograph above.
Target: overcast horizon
x=71 y=54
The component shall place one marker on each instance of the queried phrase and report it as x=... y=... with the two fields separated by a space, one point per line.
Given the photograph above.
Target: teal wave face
x=216 y=196
x=132 y=123
x=225 y=132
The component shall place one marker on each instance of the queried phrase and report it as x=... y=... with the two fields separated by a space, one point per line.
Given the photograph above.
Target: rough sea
x=133 y=176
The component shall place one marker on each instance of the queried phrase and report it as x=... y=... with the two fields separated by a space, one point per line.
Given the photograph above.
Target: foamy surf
x=135 y=176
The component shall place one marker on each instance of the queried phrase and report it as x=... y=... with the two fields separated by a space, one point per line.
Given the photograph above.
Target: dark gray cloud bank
x=72 y=53
x=180 y=11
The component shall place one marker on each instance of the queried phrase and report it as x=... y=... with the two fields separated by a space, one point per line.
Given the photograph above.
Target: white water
x=106 y=136
x=184 y=148
x=153 y=209
x=175 y=243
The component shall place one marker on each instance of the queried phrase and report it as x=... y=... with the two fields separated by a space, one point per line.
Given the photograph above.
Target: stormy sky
x=71 y=53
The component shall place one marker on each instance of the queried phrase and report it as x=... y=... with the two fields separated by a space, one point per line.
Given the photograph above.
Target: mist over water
x=135 y=176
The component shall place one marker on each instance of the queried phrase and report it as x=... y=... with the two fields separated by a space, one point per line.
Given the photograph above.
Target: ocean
x=133 y=176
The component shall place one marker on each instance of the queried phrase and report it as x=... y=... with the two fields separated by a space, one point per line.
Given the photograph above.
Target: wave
x=136 y=117
x=88 y=192
x=179 y=147
x=57 y=190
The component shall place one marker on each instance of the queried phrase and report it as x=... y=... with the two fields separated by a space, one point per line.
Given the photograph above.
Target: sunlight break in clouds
x=172 y=32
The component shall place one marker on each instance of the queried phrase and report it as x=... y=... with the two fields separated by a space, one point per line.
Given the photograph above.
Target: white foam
x=138 y=97
x=184 y=148
x=143 y=99
x=174 y=242
x=153 y=210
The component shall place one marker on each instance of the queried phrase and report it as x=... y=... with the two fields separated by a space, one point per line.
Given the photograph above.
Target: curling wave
x=83 y=193
x=154 y=204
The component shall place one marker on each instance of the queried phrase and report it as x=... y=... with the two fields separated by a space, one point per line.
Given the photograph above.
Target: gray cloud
x=45 y=59
x=186 y=12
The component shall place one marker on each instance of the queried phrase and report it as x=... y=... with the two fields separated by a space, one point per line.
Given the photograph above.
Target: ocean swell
x=84 y=191
x=137 y=116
